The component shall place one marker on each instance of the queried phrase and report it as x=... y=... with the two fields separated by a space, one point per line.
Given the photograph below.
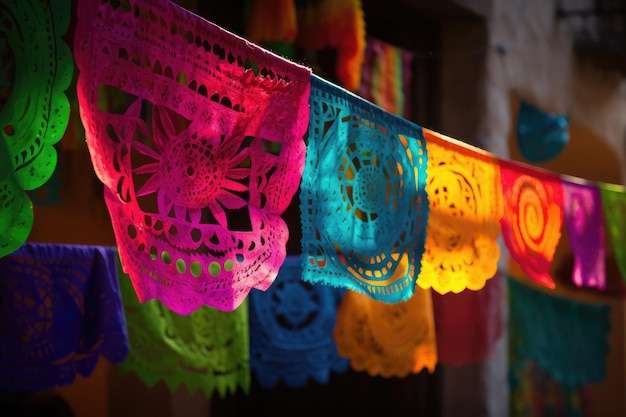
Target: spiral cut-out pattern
x=388 y=340
x=363 y=200
x=584 y=220
x=532 y=218
x=200 y=150
x=35 y=70
x=291 y=330
x=465 y=198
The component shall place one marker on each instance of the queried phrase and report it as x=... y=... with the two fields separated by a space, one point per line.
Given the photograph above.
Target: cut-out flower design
x=195 y=173
x=199 y=153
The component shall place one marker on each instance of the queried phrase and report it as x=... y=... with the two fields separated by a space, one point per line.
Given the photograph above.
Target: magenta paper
x=584 y=220
x=197 y=137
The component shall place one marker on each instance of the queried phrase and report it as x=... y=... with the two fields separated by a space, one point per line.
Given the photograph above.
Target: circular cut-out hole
x=195 y=268
x=166 y=257
x=181 y=266
x=228 y=265
x=214 y=268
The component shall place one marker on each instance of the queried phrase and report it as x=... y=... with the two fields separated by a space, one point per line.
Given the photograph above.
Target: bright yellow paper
x=465 y=196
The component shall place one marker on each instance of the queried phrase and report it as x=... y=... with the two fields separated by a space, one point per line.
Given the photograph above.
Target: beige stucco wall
x=539 y=65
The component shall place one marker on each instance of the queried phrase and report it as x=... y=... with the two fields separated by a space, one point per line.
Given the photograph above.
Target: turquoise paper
x=541 y=136
x=364 y=205
x=566 y=338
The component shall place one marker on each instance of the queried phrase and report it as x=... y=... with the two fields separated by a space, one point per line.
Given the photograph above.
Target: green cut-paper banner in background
x=614 y=205
x=35 y=70
x=206 y=350
x=16 y=210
